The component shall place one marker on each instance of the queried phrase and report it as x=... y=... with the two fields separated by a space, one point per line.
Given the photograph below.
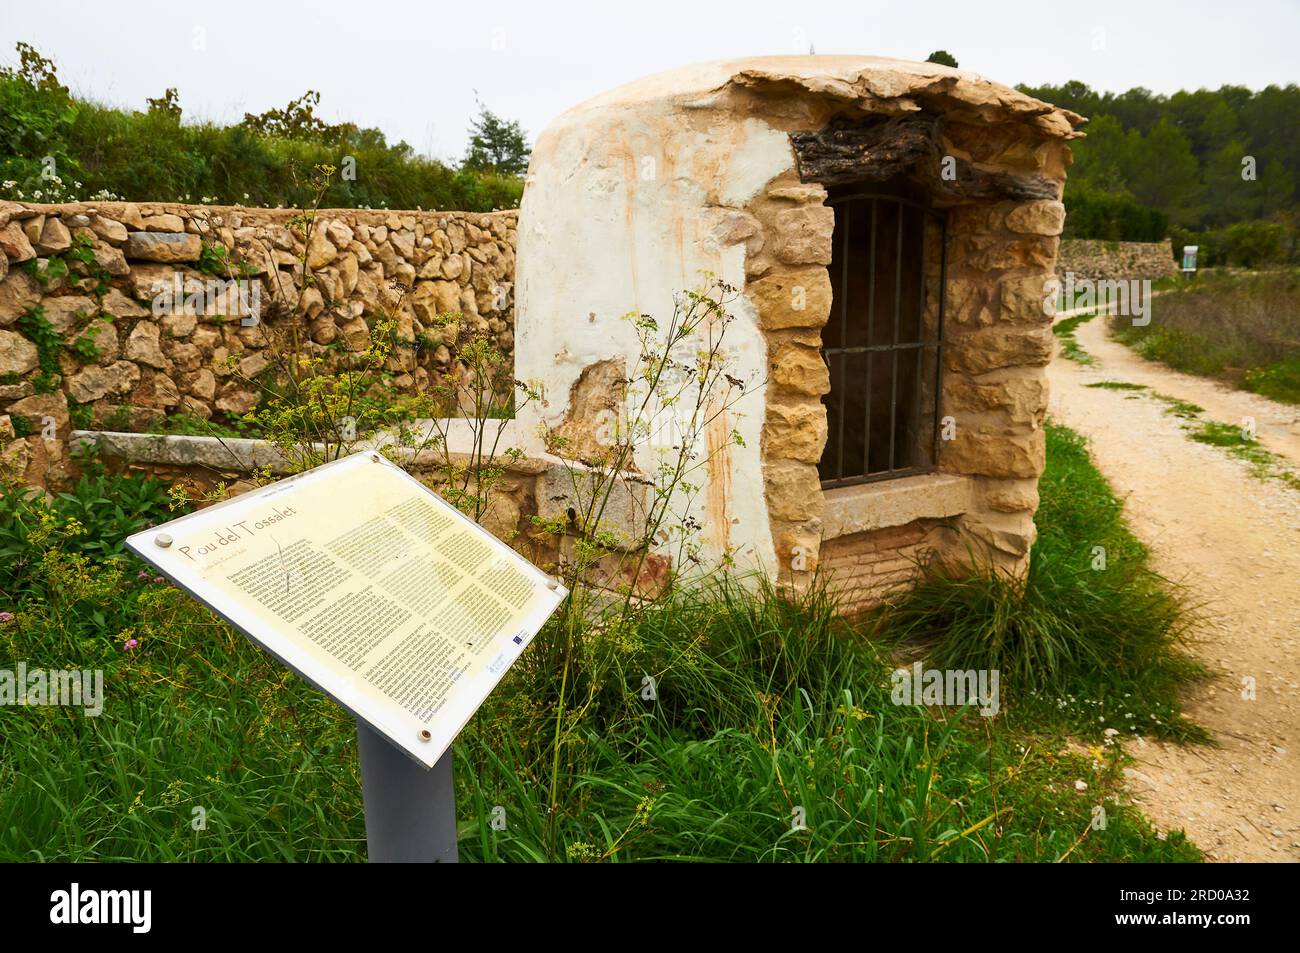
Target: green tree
x=943 y=58
x=1163 y=173
x=1229 y=197
x=1102 y=159
x=496 y=145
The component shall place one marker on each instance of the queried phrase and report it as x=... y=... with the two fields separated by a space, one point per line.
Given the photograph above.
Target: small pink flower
x=142 y=574
x=159 y=579
x=130 y=644
x=6 y=617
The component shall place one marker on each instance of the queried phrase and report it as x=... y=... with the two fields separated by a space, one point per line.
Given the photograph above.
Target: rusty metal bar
x=898 y=310
x=871 y=325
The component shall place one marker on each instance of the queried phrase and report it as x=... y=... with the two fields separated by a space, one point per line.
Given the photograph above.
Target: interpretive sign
x=371 y=587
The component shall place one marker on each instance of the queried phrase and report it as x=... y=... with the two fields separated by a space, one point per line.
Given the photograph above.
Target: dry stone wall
x=1099 y=260
x=115 y=314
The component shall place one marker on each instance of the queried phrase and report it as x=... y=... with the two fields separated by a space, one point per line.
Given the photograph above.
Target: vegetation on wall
x=57 y=147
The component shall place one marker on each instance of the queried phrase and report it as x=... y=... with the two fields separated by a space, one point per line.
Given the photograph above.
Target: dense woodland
x=1181 y=166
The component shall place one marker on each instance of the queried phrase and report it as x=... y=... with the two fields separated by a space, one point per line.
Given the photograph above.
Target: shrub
x=102 y=509
x=1241 y=328
x=152 y=156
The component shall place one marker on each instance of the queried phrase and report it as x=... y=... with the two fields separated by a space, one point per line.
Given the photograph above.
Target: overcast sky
x=411 y=68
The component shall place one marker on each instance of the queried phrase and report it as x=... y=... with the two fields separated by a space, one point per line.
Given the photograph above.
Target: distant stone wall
x=117 y=354
x=1097 y=260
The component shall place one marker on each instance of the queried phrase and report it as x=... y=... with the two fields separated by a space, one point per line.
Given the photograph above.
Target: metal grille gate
x=883 y=348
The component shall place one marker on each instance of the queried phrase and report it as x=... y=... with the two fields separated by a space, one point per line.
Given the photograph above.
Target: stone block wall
x=998 y=341
x=1099 y=260
x=998 y=344
x=122 y=348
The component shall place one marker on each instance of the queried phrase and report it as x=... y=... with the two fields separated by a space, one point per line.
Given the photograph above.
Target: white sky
x=411 y=68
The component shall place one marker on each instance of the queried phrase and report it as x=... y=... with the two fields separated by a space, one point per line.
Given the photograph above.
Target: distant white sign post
x=1189 y=259
x=385 y=597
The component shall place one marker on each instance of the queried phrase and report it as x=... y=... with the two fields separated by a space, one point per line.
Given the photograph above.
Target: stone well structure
x=889 y=227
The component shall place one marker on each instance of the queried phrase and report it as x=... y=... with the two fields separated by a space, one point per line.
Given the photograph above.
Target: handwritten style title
x=241 y=529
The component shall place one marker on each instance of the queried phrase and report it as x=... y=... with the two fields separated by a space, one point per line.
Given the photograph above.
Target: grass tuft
x=1070 y=347
x=1117 y=385
x=1264 y=463
x=1093 y=638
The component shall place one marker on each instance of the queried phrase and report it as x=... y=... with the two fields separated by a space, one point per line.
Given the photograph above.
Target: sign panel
x=1189 y=257
x=370 y=586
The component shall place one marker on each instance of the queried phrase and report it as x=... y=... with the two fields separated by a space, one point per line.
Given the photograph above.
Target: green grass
x=1173 y=405
x=766 y=709
x=1178 y=407
x=1264 y=464
x=1181 y=350
x=1070 y=347
x=1092 y=639
x=1278 y=381
x=1117 y=385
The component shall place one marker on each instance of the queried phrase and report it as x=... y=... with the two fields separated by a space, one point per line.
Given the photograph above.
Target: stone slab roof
x=870 y=84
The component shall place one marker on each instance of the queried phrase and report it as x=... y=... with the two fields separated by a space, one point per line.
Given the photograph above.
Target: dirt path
x=1234 y=541
x=1277 y=425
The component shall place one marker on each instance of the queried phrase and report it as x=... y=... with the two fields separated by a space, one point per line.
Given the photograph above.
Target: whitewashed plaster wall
x=628 y=201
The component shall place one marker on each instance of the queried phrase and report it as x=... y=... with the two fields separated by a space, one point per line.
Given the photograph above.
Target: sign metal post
x=410 y=811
